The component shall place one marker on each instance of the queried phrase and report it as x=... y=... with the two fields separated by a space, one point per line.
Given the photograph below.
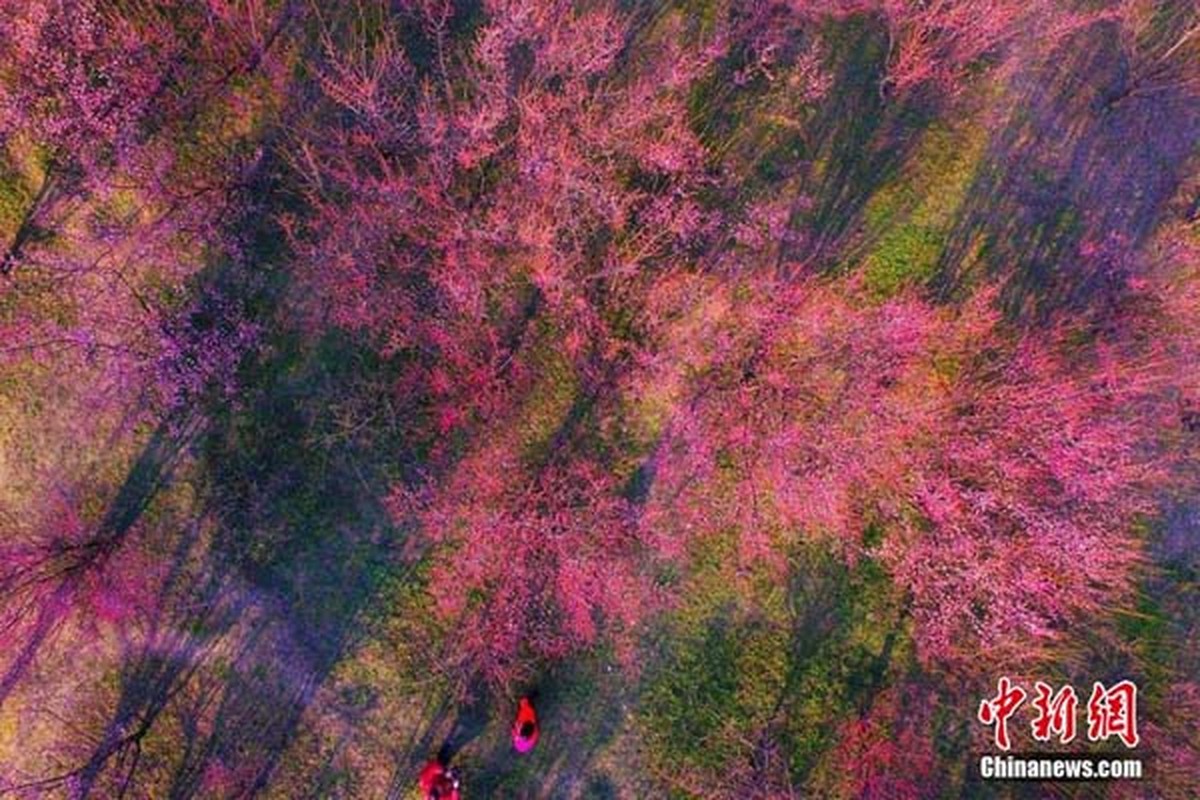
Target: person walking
x=525 y=727
x=439 y=781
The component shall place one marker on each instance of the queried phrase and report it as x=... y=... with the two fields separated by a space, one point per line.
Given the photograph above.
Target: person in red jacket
x=525 y=727
x=439 y=781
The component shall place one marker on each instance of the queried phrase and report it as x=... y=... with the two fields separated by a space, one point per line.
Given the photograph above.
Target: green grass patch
x=551 y=400
x=793 y=658
x=909 y=219
x=14 y=200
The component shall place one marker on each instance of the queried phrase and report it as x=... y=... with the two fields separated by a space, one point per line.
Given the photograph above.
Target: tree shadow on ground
x=295 y=553
x=751 y=700
x=304 y=533
x=255 y=618
x=825 y=158
x=1073 y=185
x=857 y=144
x=47 y=588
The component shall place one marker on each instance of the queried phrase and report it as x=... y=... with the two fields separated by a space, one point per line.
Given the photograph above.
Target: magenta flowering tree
x=95 y=98
x=124 y=139
x=1005 y=469
x=118 y=206
x=445 y=218
x=562 y=337
x=470 y=215
x=528 y=569
x=1048 y=459
x=522 y=185
x=888 y=752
